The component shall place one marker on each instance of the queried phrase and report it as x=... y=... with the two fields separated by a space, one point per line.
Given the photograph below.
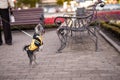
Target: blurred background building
x=49 y=2
x=51 y=6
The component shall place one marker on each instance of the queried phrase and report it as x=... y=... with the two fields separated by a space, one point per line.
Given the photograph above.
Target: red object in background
x=101 y=15
x=50 y=21
x=109 y=15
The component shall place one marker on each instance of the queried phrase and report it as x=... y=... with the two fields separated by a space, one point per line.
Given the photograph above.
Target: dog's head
x=39 y=29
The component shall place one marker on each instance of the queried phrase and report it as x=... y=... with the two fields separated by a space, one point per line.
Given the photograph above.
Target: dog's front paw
x=41 y=48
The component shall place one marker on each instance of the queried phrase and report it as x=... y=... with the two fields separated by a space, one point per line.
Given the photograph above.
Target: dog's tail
x=25 y=47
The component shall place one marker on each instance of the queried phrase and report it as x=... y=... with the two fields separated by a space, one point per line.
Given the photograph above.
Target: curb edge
x=116 y=46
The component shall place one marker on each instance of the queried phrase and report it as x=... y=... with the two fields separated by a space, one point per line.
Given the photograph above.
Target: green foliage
x=112 y=28
x=60 y=2
x=118 y=1
x=50 y=26
x=31 y=3
x=68 y=1
x=116 y=25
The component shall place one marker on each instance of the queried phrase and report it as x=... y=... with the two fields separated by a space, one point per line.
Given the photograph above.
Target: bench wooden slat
x=25 y=23
x=27 y=16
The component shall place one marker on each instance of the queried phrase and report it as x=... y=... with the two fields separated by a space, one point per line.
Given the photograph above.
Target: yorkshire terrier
x=35 y=45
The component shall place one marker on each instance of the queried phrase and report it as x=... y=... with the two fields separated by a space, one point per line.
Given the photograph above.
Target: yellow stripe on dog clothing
x=32 y=46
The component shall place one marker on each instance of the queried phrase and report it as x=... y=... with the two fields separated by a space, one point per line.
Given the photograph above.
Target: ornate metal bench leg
x=96 y=41
x=96 y=44
x=93 y=32
x=97 y=29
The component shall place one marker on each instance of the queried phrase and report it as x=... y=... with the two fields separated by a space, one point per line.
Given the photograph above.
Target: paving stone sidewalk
x=78 y=61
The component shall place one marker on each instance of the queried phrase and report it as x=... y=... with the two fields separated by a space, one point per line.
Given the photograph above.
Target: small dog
x=37 y=42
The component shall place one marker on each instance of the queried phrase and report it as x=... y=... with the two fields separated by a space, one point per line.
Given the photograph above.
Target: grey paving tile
x=78 y=61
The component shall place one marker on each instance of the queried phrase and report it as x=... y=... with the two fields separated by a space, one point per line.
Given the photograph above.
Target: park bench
x=79 y=22
x=28 y=16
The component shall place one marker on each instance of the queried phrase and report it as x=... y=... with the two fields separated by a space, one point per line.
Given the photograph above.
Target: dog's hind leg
x=31 y=59
x=34 y=58
x=30 y=56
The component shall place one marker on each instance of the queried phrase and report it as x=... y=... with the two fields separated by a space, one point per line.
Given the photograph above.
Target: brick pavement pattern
x=78 y=61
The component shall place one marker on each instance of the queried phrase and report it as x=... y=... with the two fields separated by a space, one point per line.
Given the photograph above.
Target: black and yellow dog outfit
x=37 y=41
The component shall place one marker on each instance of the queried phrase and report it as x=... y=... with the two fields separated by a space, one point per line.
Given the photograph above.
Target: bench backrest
x=28 y=16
